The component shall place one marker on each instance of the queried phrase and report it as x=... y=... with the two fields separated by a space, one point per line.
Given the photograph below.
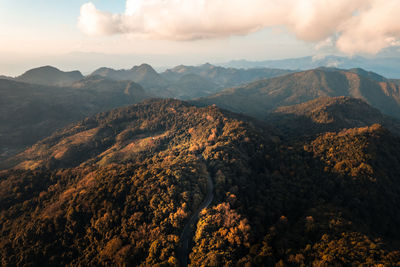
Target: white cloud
x=372 y=29
x=355 y=26
x=94 y=22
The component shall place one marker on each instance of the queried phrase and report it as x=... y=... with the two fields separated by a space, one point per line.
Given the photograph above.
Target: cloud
x=372 y=29
x=94 y=22
x=355 y=26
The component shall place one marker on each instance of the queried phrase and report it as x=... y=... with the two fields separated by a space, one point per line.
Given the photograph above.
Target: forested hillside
x=326 y=114
x=117 y=189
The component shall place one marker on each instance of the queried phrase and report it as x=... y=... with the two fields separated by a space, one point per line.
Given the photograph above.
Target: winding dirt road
x=188 y=230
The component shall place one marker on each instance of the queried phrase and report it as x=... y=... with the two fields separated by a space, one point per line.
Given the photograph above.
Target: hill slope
x=328 y=114
x=50 y=76
x=192 y=85
x=118 y=126
x=117 y=188
x=158 y=144
x=260 y=97
x=29 y=112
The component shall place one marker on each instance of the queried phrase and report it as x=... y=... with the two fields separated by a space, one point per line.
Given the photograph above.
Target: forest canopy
x=117 y=188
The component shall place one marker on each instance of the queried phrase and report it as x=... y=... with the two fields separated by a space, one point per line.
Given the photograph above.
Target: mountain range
x=261 y=97
x=223 y=77
x=185 y=82
x=282 y=168
x=32 y=111
x=385 y=65
x=45 y=99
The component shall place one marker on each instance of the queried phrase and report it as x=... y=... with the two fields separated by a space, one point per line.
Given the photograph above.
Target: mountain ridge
x=258 y=98
x=209 y=78
x=327 y=114
x=50 y=76
x=224 y=77
x=31 y=112
x=384 y=65
x=143 y=74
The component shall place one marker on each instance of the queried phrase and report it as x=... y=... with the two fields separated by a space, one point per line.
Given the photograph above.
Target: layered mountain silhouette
x=184 y=88
x=119 y=187
x=31 y=112
x=185 y=82
x=50 y=76
x=260 y=97
x=223 y=77
x=386 y=65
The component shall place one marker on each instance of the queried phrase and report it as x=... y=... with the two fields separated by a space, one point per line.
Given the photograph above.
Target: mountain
x=144 y=74
x=111 y=73
x=99 y=84
x=327 y=114
x=31 y=112
x=224 y=77
x=121 y=187
x=186 y=82
x=191 y=86
x=120 y=125
x=385 y=65
x=260 y=97
x=50 y=76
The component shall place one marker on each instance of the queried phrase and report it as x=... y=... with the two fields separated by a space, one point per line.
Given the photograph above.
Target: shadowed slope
x=29 y=112
x=328 y=114
x=260 y=97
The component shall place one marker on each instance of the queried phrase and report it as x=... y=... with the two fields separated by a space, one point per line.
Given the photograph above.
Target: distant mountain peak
x=49 y=75
x=47 y=67
x=144 y=67
x=104 y=69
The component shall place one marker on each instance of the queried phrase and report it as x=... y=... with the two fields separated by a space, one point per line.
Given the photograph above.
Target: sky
x=81 y=34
